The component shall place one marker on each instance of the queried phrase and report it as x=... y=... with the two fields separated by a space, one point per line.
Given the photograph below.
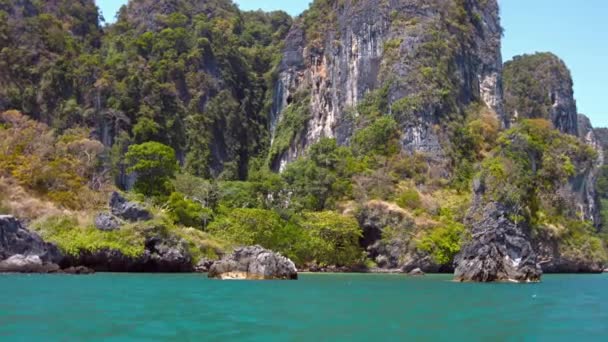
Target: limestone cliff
x=423 y=62
x=540 y=86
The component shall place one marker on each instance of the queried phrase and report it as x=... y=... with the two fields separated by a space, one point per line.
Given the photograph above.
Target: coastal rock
x=203 y=265
x=254 y=263
x=107 y=222
x=130 y=211
x=161 y=255
x=553 y=260
x=15 y=239
x=78 y=270
x=498 y=251
x=27 y=264
x=416 y=272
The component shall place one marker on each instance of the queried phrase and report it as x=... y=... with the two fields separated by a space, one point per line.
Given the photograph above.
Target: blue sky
x=575 y=31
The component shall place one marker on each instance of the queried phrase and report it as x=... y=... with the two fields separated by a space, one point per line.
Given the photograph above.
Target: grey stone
x=254 y=263
x=107 y=222
x=204 y=265
x=130 y=211
x=416 y=272
x=27 y=264
x=80 y=270
x=499 y=250
x=16 y=239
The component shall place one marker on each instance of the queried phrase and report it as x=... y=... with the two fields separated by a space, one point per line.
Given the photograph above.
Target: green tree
x=333 y=239
x=155 y=165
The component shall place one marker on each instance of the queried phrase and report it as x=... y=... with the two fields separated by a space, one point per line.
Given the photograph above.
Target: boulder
x=77 y=270
x=416 y=272
x=15 y=239
x=19 y=263
x=203 y=266
x=499 y=250
x=130 y=211
x=254 y=263
x=107 y=222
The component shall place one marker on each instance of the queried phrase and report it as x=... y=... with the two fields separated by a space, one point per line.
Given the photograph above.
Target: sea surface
x=318 y=307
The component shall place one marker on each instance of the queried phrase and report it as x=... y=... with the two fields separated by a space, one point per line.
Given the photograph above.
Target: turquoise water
x=327 y=307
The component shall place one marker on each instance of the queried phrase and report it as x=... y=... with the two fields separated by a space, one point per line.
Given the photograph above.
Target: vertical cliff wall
x=423 y=61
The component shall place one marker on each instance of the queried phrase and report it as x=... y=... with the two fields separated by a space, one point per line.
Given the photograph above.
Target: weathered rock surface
x=254 y=263
x=130 y=211
x=416 y=272
x=15 y=239
x=367 y=45
x=204 y=265
x=27 y=264
x=499 y=250
x=161 y=255
x=107 y=222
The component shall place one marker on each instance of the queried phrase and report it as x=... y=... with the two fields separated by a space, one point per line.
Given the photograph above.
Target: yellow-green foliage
x=65 y=232
x=333 y=238
x=409 y=199
x=202 y=245
x=444 y=241
x=57 y=168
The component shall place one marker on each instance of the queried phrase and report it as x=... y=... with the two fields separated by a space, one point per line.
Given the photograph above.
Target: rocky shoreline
x=24 y=251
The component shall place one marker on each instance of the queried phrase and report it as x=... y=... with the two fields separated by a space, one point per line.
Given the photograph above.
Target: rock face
x=254 y=263
x=204 y=265
x=499 y=250
x=107 y=222
x=129 y=211
x=399 y=251
x=583 y=189
x=329 y=66
x=161 y=255
x=540 y=86
x=26 y=247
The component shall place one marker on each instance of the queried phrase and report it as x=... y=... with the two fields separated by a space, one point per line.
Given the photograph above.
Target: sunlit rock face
x=423 y=59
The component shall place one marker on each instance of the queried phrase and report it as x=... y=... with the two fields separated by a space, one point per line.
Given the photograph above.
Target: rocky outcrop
x=161 y=255
x=204 y=265
x=19 y=263
x=27 y=246
x=388 y=48
x=107 y=222
x=540 y=86
x=254 y=263
x=499 y=249
x=553 y=258
x=130 y=211
x=416 y=272
x=394 y=250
